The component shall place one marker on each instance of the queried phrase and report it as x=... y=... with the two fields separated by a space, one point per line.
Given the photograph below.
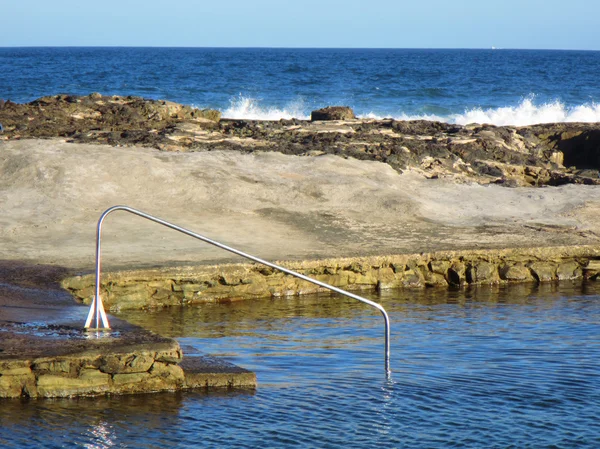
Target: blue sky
x=549 y=24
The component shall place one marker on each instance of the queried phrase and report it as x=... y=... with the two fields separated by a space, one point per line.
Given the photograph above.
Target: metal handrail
x=97 y=309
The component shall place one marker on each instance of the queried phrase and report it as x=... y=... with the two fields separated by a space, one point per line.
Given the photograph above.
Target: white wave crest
x=242 y=107
x=403 y=116
x=527 y=113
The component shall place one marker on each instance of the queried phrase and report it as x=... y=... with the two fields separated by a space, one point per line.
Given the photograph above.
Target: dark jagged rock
x=550 y=154
x=333 y=113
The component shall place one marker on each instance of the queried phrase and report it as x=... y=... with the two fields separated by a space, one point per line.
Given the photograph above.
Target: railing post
x=97 y=309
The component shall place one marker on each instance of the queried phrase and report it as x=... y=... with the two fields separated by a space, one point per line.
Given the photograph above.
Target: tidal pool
x=494 y=367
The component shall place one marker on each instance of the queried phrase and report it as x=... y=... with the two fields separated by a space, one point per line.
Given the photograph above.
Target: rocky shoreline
x=539 y=155
x=360 y=204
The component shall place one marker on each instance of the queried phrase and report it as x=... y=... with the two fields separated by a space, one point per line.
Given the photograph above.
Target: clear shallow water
x=517 y=87
x=489 y=367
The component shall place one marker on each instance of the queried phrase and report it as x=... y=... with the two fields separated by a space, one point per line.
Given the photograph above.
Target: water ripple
x=508 y=371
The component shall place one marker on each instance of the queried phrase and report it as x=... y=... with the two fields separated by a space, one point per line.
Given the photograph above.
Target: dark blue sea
x=496 y=86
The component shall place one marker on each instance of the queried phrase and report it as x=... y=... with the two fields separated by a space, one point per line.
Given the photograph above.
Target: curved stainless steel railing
x=97 y=308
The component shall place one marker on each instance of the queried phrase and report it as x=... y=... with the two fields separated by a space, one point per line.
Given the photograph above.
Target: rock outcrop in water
x=539 y=155
x=333 y=113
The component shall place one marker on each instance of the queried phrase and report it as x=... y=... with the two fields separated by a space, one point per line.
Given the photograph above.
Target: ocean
x=502 y=87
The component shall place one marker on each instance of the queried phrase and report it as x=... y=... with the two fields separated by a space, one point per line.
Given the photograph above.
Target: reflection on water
x=487 y=367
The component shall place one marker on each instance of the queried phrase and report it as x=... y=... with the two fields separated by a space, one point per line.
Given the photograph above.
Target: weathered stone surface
x=15 y=367
x=439 y=266
x=483 y=273
x=543 y=272
x=14 y=386
x=401 y=271
x=42 y=360
x=207 y=372
x=435 y=280
x=333 y=113
x=592 y=270
x=170 y=374
x=515 y=273
x=169 y=356
x=89 y=382
x=56 y=365
x=412 y=279
x=127 y=363
x=569 y=270
x=132 y=379
x=220 y=380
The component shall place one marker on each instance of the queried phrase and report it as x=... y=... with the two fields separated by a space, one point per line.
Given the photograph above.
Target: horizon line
x=491 y=48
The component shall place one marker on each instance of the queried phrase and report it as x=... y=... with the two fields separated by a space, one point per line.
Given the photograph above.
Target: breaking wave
x=525 y=113
x=242 y=107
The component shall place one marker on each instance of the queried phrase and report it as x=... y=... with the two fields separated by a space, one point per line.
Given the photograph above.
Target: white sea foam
x=242 y=107
x=402 y=116
x=525 y=113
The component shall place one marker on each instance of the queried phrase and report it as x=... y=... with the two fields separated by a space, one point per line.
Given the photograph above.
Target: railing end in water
x=98 y=315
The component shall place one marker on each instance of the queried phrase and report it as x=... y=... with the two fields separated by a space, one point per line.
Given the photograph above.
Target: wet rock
x=130 y=361
x=14 y=386
x=457 y=274
x=435 y=280
x=89 y=382
x=122 y=380
x=568 y=271
x=543 y=272
x=386 y=279
x=439 y=266
x=412 y=279
x=515 y=273
x=482 y=273
x=407 y=271
x=171 y=372
x=333 y=113
x=592 y=270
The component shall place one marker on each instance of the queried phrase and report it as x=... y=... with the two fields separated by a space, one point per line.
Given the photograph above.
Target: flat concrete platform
x=45 y=352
